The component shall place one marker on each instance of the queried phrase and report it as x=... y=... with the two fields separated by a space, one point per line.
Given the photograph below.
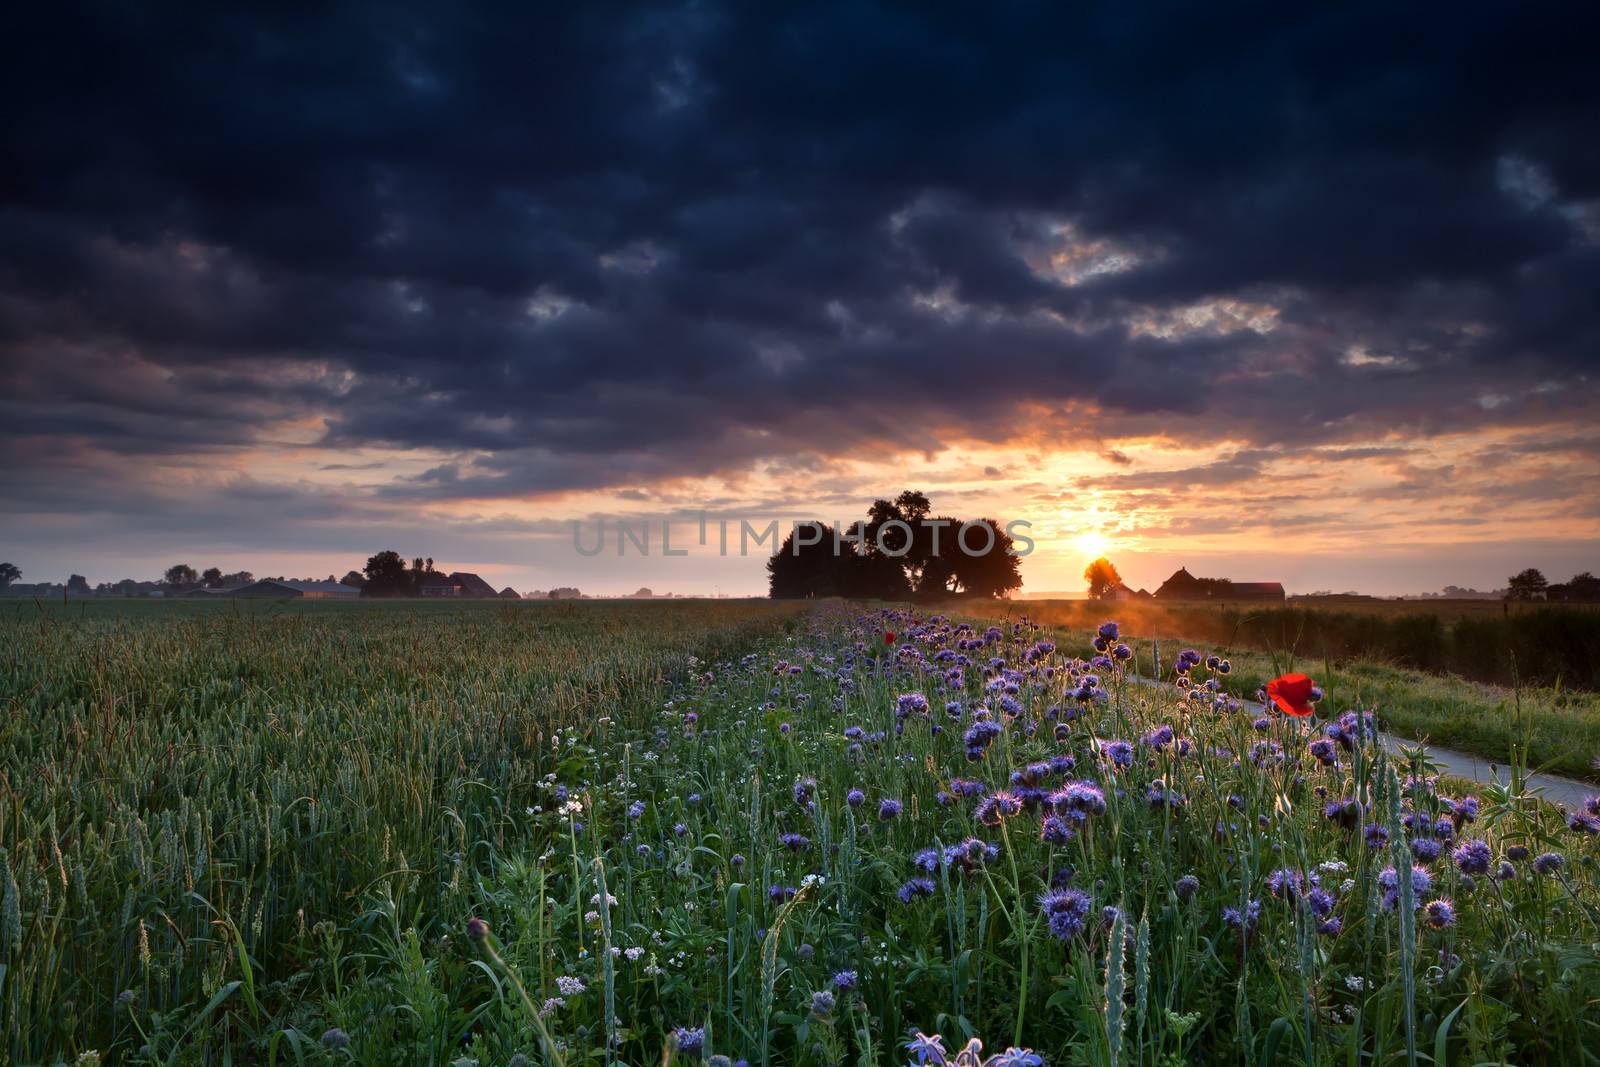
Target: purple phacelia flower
x=1118 y=753
x=1439 y=913
x=1245 y=920
x=992 y=809
x=1065 y=911
x=1472 y=857
x=1548 y=862
x=1285 y=883
x=1055 y=830
x=1389 y=882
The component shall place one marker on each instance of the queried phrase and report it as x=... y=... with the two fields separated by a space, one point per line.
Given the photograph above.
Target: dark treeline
x=899 y=552
x=1542 y=646
x=1533 y=644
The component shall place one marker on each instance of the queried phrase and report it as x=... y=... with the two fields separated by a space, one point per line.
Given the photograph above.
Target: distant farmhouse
x=462 y=584
x=282 y=588
x=1185 y=586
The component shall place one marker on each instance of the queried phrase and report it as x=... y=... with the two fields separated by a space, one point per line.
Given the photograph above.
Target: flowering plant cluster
x=892 y=819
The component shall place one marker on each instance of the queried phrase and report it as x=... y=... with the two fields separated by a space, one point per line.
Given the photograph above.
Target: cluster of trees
x=898 y=552
x=386 y=574
x=181 y=576
x=1531 y=584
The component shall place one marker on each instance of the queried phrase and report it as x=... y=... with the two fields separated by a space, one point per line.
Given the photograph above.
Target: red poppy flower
x=888 y=637
x=1292 y=694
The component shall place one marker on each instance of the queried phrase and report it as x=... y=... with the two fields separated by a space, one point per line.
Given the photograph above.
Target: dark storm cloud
x=605 y=245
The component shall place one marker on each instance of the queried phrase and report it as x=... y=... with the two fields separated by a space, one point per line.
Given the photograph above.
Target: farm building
x=456 y=584
x=434 y=585
x=288 y=587
x=1185 y=586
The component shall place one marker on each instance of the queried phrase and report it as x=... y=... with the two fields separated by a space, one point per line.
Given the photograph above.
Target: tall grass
x=1483 y=641
x=259 y=839
x=191 y=796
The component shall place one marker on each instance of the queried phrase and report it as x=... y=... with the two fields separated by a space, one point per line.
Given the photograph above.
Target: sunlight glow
x=1091 y=544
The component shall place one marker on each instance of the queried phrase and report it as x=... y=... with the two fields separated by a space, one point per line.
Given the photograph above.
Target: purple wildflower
x=1439 y=913
x=926 y=1050
x=1065 y=912
x=690 y=1041
x=1246 y=920
x=1548 y=862
x=1472 y=857
x=1118 y=753
x=1389 y=882
x=794 y=842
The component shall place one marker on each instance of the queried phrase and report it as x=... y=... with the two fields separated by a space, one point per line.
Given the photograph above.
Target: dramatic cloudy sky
x=1303 y=292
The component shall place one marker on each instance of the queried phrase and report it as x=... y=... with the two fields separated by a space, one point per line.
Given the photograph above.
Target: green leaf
x=1269 y=1051
x=1442 y=1036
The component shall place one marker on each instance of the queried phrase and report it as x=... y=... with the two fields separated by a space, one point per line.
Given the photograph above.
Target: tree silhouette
x=813 y=568
x=898 y=525
x=386 y=575
x=874 y=576
x=985 y=566
x=353 y=579
x=9 y=572
x=211 y=577
x=1584 y=587
x=1526 y=585
x=879 y=558
x=180 y=574
x=1102 y=577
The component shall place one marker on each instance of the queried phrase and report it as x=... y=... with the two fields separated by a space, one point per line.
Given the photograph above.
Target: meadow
x=1552 y=728
x=1502 y=643
x=742 y=831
